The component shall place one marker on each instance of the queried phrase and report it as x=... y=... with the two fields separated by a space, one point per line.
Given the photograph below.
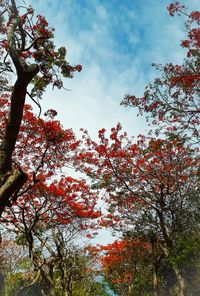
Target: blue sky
x=116 y=42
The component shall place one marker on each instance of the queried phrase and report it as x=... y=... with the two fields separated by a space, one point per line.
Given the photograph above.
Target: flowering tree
x=172 y=100
x=47 y=220
x=122 y=264
x=151 y=186
x=49 y=207
x=28 y=58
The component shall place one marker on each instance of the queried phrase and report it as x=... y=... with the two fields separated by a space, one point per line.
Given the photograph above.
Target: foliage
x=172 y=100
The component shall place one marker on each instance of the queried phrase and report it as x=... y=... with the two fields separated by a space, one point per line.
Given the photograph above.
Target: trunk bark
x=1 y=284
x=25 y=74
x=155 y=281
x=12 y=185
x=65 y=280
x=66 y=290
x=181 y=282
x=49 y=289
x=65 y=293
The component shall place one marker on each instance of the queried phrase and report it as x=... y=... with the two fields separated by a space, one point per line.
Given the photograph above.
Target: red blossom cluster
x=45 y=148
x=136 y=176
x=118 y=258
x=175 y=7
x=41 y=27
x=187 y=81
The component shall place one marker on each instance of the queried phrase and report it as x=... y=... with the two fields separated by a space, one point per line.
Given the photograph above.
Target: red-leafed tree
x=151 y=187
x=51 y=206
x=172 y=100
x=29 y=63
x=122 y=263
x=47 y=220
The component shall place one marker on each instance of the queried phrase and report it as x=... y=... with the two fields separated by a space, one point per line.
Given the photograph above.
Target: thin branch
x=35 y=103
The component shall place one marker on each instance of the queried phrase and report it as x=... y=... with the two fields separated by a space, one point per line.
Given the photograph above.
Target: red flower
x=174 y=7
x=78 y=68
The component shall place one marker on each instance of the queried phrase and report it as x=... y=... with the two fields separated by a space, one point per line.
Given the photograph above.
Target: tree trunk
x=1 y=284
x=181 y=282
x=65 y=280
x=66 y=290
x=49 y=289
x=65 y=293
x=25 y=74
x=11 y=132
x=11 y=185
x=156 y=291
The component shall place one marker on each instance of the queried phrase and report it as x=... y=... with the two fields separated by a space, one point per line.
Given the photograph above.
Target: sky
x=116 y=42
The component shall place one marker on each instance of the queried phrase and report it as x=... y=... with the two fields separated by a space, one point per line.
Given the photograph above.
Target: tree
x=123 y=263
x=172 y=100
x=30 y=59
x=47 y=219
x=152 y=187
x=21 y=277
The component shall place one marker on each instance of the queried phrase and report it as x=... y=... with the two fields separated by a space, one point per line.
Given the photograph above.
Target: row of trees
x=45 y=215
x=149 y=185
x=59 y=268
x=165 y=175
